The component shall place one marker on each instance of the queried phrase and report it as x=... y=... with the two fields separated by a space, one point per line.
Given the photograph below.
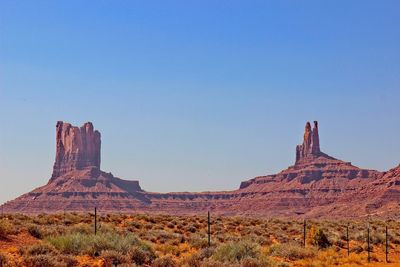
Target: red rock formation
x=77 y=148
x=310 y=146
x=317 y=185
x=77 y=183
x=380 y=197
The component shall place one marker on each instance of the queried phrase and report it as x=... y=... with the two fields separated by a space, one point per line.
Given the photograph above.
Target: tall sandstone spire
x=315 y=140
x=318 y=185
x=77 y=148
x=310 y=146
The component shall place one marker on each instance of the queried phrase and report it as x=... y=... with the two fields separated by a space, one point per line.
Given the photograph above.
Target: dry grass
x=162 y=240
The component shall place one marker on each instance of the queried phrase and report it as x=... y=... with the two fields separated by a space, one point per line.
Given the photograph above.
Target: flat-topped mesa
x=77 y=148
x=310 y=146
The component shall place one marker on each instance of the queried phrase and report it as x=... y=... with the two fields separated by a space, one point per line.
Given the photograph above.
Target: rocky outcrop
x=312 y=165
x=76 y=148
x=310 y=146
x=317 y=185
x=380 y=197
x=77 y=183
x=80 y=190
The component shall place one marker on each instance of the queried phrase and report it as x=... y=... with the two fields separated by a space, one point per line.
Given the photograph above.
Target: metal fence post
x=209 y=229
x=348 y=240
x=368 y=241
x=304 y=232
x=386 y=244
x=95 y=220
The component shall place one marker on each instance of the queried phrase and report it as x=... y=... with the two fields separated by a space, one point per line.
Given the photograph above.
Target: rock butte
x=77 y=148
x=316 y=186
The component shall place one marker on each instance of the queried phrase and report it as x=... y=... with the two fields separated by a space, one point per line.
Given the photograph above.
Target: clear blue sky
x=197 y=95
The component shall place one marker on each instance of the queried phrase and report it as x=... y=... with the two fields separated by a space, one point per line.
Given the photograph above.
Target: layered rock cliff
x=77 y=183
x=317 y=185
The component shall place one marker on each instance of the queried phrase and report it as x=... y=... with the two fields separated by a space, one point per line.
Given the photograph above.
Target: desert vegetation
x=69 y=239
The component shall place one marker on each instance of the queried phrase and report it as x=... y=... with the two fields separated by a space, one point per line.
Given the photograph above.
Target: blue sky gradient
x=197 y=95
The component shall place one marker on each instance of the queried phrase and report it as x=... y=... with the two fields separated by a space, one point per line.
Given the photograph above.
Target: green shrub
x=377 y=238
x=291 y=251
x=6 y=228
x=41 y=261
x=71 y=243
x=113 y=258
x=67 y=261
x=106 y=228
x=259 y=239
x=71 y=218
x=110 y=241
x=91 y=244
x=35 y=231
x=40 y=249
x=235 y=252
x=193 y=260
x=81 y=228
x=320 y=239
x=165 y=261
x=214 y=263
x=141 y=255
x=191 y=229
x=360 y=236
x=138 y=256
x=133 y=225
x=206 y=252
x=263 y=262
x=198 y=242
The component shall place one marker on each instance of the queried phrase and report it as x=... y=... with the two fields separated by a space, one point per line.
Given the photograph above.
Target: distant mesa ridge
x=317 y=185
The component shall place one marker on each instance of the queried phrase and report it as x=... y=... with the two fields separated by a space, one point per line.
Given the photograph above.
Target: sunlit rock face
x=316 y=186
x=77 y=182
x=310 y=147
x=76 y=148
